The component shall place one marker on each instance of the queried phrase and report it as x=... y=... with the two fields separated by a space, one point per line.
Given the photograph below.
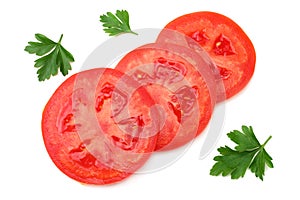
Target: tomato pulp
x=226 y=43
x=165 y=70
x=96 y=132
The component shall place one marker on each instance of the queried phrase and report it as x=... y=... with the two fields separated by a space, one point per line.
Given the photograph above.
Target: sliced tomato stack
x=101 y=125
x=81 y=133
x=167 y=73
x=226 y=43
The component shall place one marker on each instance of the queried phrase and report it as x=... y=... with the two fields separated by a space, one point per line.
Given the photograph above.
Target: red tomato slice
x=81 y=131
x=226 y=43
x=165 y=70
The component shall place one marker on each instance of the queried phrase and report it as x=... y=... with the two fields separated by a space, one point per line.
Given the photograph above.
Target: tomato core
x=224 y=73
x=105 y=94
x=223 y=46
x=200 y=36
x=81 y=156
x=169 y=70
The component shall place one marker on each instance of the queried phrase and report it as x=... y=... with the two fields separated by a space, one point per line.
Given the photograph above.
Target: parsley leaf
x=248 y=154
x=49 y=63
x=116 y=24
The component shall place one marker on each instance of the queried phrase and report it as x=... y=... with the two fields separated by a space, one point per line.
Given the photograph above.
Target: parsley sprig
x=116 y=24
x=49 y=63
x=248 y=154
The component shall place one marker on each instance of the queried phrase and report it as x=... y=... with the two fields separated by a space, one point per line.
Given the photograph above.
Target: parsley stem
x=133 y=32
x=61 y=36
x=264 y=144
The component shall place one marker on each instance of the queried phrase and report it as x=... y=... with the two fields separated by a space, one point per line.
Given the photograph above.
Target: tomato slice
x=95 y=130
x=226 y=43
x=165 y=70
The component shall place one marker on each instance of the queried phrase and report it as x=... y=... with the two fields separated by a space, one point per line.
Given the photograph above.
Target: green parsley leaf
x=246 y=140
x=49 y=63
x=248 y=154
x=116 y=24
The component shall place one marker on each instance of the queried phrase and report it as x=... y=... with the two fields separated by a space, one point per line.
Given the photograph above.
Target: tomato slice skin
x=226 y=43
x=73 y=151
x=175 y=84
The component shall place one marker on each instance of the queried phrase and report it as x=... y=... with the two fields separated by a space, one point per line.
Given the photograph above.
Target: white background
x=270 y=103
